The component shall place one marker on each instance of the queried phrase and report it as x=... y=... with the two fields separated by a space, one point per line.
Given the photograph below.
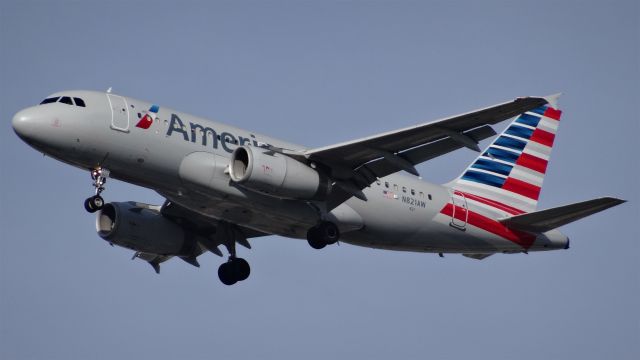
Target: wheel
x=87 y=206
x=226 y=273
x=242 y=269
x=329 y=232
x=315 y=239
x=97 y=202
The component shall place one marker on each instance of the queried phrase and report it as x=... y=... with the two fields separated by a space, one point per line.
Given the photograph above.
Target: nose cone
x=23 y=123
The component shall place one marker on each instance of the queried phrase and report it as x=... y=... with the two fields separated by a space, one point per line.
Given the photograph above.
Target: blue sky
x=317 y=73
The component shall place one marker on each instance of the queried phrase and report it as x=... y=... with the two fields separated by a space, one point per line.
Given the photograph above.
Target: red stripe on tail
x=474 y=219
x=522 y=188
x=543 y=137
x=532 y=162
x=553 y=113
x=498 y=205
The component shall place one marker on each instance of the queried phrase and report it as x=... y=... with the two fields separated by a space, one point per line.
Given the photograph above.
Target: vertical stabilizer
x=510 y=172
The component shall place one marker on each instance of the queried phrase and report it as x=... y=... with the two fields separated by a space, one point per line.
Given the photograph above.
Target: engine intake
x=276 y=174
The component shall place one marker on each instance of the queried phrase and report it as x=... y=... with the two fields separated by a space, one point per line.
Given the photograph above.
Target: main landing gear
x=323 y=234
x=96 y=202
x=235 y=269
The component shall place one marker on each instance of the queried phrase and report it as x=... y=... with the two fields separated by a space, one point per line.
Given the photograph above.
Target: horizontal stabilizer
x=545 y=220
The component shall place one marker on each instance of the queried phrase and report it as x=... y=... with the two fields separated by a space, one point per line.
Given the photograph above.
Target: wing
x=210 y=233
x=200 y=224
x=354 y=165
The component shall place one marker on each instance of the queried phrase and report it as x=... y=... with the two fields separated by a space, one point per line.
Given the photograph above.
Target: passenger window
x=386 y=184
x=404 y=189
x=79 y=102
x=429 y=196
x=49 y=100
x=395 y=187
x=66 y=100
x=378 y=182
x=421 y=194
x=413 y=192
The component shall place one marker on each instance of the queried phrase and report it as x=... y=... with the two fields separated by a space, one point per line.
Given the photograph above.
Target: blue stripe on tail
x=519 y=131
x=527 y=119
x=510 y=143
x=484 y=178
x=493 y=166
x=502 y=154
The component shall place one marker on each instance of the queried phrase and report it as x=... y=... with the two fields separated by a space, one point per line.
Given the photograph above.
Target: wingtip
x=552 y=100
x=616 y=200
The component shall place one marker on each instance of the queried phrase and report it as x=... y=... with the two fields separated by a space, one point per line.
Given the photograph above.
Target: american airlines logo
x=147 y=120
x=206 y=134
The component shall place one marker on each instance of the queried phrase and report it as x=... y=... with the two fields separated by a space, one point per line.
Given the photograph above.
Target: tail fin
x=511 y=170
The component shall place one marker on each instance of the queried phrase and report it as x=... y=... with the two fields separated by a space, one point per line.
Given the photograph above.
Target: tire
x=329 y=232
x=315 y=239
x=242 y=269
x=226 y=273
x=88 y=205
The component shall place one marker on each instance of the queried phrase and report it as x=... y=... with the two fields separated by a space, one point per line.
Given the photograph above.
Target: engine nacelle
x=141 y=227
x=276 y=174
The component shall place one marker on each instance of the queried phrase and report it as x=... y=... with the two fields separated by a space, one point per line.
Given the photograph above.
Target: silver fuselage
x=407 y=214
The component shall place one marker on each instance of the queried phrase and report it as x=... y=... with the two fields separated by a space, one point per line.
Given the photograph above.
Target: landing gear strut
x=326 y=233
x=96 y=202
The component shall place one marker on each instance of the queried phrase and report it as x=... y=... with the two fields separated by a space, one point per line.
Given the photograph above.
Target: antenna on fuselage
x=109 y=90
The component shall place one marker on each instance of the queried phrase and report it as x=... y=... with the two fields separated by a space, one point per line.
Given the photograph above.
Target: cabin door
x=119 y=113
x=460 y=213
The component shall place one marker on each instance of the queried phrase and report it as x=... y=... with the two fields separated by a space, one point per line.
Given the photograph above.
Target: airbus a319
x=224 y=185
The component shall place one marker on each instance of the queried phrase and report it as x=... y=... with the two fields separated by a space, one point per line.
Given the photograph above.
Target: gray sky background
x=318 y=73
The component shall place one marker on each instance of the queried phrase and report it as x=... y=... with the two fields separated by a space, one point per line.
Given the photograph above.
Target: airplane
x=224 y=185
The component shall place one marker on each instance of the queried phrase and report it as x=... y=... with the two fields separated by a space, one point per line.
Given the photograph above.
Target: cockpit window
x=66 y=100
x=50 y=100
x=79 y=101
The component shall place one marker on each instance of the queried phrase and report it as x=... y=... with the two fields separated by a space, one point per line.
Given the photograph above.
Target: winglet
x=552 y=100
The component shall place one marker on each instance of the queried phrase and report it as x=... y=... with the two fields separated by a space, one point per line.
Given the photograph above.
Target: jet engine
x=276 y=174
x=142 y=228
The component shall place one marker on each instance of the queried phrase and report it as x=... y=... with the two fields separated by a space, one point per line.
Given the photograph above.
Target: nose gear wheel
x=96 y=202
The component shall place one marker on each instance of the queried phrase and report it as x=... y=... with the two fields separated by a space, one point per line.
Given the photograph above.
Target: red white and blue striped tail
x=509 y=173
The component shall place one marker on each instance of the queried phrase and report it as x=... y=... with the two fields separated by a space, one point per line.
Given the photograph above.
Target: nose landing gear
x=96 y=202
